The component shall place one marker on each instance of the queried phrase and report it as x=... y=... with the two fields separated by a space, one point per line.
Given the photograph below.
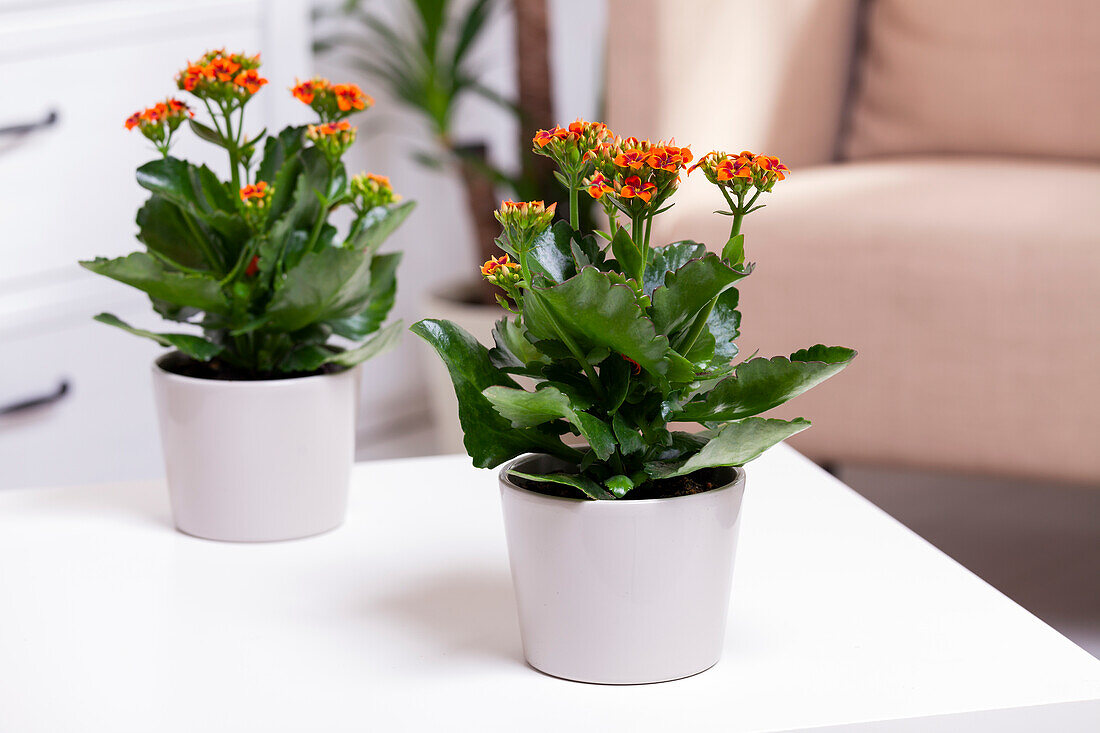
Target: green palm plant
x=423 y=57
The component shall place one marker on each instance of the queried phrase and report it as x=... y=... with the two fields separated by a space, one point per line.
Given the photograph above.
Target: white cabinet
x=67 y=192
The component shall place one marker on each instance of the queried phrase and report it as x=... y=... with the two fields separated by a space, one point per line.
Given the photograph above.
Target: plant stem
x=204 y=246
x=574 y=214
x=321 y=215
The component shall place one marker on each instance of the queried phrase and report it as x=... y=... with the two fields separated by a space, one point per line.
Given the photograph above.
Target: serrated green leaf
x=551 y=253
x=629 y=439
x=760 y=384
x=327 y=285
x=735 y=445
x=380 y=299
x=591 y=489
x=163 y=230
x=196 y=347
x=688 y=290
x=148 y=274
x=378 y=224
x=382 y=341
x=619 y=485
x=666 y=259
x=527 y=409
x=490 y=438
x=596 y=311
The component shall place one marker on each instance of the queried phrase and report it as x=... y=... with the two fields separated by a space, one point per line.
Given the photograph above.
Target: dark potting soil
x=215 y=369
x=702 y=480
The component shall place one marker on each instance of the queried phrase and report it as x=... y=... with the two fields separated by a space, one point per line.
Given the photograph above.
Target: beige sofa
x=957 y=246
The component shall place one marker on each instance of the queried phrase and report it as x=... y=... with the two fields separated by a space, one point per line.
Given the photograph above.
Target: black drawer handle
x=42 y=400
x=24 y=128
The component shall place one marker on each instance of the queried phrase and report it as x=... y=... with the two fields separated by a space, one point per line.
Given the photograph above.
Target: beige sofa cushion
x=978 y=76
x=974 y=308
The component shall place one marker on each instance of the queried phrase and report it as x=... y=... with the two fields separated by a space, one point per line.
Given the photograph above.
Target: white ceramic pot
x=453 y=302
x=256 y=461
x=621 y=592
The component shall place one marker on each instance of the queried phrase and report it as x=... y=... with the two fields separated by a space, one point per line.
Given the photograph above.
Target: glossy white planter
x=621 y=592
x=257 y=461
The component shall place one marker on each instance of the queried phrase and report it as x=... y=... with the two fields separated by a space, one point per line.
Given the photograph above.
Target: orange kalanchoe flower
x=545 y=137
x=254 y=191
x=305 y=91
x=598 y=185
x=633 y=187
x=350 y=97
x=223 y=68
x=133 y=120
x=633 y=158
x=494 y=265
x=250 y=80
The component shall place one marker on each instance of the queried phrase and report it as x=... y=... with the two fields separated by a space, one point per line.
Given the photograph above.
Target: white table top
x=404 y=620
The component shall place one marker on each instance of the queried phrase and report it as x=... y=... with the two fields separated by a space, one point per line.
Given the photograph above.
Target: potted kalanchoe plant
x=621 y=540
x=257 y=410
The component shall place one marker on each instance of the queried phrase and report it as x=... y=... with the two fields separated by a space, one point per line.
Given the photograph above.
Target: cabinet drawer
x=102 y=429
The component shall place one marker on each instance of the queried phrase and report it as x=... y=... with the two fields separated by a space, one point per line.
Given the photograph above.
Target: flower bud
x=371 y=190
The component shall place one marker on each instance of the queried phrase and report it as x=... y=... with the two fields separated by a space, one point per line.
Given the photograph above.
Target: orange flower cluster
x=636 y=169
x=333 y=138
x=573 y=147
x=158 y=122
x=502 y=272
x=331 y=102
x=222 y=76
x=255 y=192
x=371 y=190
x=170 y=112
x=524 y=220
x=742 y=171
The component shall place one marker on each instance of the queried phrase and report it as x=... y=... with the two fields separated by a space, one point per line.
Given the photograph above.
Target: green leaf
x=671 y=257
x=196 y=347
x=723 y=325
x=688 y=289
x=490 y=438
x=305 y=358
x=626 y=253
x=163 y=229
x=146 y=273
x=736 y=444
x=331 y=284
x=378 y=224
x=734 y=251
x=597 y=312
x=629 y=439
x=512 y=347
x=591 y=489
x=760 y=384
x=278 y=149
x=380 y=343
x=198 y=192
x=207 y=133
x=380 y=298
x=527 y=409
x=551 y=253
x=619 y=485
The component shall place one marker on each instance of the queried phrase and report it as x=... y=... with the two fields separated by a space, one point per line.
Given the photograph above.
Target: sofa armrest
x=767 y=76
